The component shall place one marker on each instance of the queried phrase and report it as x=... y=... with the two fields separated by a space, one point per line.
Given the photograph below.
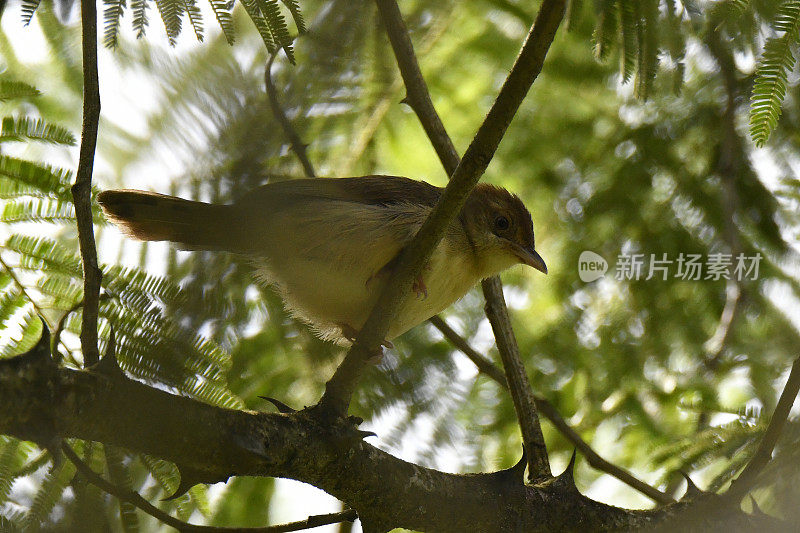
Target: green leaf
x=18 y=128
x=294 y=8
x=49 y=493
x=140 y=20
x=112 y=15
x=37 y=210
x=120 y=476
x=224 y=18
x=277 y=26
x=195 y=18
x=50 y=181
x=171 y=11
x=29 y=7
x=254 y=12
x=769 y=88
x=629 y=30
x=12 y=90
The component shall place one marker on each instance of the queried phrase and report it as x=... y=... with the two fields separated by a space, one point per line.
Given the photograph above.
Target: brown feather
x=150 y=216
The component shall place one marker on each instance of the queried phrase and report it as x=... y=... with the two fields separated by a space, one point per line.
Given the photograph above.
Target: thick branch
x=485 y=366
x=82 y=188
x=418 y=97
x=44 y=403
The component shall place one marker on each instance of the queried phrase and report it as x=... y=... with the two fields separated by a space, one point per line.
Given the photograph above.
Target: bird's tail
x=150 y=216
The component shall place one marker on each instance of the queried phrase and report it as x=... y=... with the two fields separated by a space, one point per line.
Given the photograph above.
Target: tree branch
x=298 y=146
x=763 y=454
x=418 y=97
x=485 y=366
x=135 y=499
x=45 y=403
x=82 y=188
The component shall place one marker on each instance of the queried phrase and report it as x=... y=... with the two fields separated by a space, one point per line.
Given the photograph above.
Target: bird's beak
x=531 y=257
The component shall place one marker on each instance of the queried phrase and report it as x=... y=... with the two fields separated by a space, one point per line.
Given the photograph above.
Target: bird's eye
x=501 y=223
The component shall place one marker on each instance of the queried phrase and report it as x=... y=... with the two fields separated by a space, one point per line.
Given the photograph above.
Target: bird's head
x=501 y=229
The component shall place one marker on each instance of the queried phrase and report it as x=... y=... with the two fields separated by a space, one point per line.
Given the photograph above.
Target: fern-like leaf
x=12 y=90
x=648 y=47
x=112 y=15
x=254 y=12
x=50 y=181
x=294 y=8
x=37 y=210
x=49 y=493
x=120 y=476
x=224 y=18
x=629 y=38
x=195 y=18
x=18 y=128
x=140 y=20
x=727 y=11
x=29 y=7
x=171 y=11
x=8 y=463
x=277 y=26
x=769 y=88
x=605 y=34
x=40 y=253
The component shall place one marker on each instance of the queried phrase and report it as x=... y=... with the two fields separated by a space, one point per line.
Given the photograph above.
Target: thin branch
x=134 y=498
x=485 y=366
x=763 y=454
x=417 y=94
x=418 y=97
x=82 y=188
x=339 y=388
x=298 y=146
x=62 y=323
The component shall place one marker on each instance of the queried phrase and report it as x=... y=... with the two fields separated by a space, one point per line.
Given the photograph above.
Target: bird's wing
x=369 y=190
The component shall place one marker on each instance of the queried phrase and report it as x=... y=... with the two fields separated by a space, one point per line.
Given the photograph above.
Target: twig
x=485 y=366
x=418 y=97
x=82 y=188
x=339 y=388
x=137 y=500
x=763 y=454
x=417 y=94
x=37 y=308
x=62 y=323
x=729 y=168
x=517 y=377
x=298 y=146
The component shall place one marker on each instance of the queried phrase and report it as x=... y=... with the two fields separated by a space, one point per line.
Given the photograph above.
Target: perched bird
x=328 y=245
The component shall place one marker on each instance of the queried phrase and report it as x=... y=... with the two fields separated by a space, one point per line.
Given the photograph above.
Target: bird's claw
x=419 y=288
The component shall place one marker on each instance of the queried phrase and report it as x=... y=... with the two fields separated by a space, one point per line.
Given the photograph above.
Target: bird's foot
x=419 y=287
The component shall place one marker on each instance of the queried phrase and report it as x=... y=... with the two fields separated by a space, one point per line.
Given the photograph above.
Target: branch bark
x=82 y=188
x=418 y=97
x=46 y=403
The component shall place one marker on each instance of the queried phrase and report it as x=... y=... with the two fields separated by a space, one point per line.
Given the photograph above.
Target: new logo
x=591 y=266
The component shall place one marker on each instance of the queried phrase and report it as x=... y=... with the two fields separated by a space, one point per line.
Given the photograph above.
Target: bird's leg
x=419 y=287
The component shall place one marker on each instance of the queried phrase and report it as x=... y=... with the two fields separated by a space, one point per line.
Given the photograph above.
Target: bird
x=328 y=245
